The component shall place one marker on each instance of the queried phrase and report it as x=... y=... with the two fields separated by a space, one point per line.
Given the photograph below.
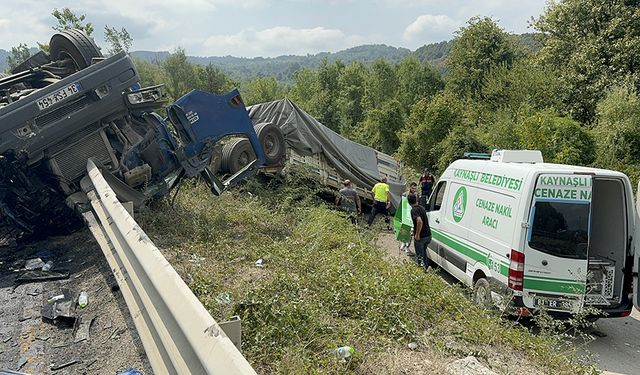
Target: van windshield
x=561 y=229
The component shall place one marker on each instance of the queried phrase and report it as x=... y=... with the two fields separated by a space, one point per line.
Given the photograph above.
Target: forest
x=571 y=93
x=569 y=88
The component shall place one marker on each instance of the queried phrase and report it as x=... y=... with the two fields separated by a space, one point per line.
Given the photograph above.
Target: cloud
x=431 y=28
x=280 y=40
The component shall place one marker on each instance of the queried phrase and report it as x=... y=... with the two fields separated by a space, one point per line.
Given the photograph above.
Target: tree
x=595 y=45
x=304 y=88
x=18 y=55
x=381 y=127
x=118 y=40
x=67 y=19
x=617 y=132
x=150 y=73
x=479 y=47
x=179 y=73
x=560 y=139
x=459 y=140
x=351 y=95
x=262 y=90
x=416 y=81
x=429 y=123
x=381 y=84
x=213 y=80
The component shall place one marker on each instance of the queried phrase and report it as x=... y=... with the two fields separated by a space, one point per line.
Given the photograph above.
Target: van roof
x=522 y=169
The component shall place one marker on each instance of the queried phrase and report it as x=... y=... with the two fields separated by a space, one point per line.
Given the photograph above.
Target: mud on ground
x=31 y=344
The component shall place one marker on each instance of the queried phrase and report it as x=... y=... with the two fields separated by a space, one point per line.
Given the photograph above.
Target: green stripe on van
x=464 y=249
x=539 y=283
x=551 y=286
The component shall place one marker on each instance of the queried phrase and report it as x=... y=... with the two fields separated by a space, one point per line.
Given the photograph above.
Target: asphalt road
x=618 y=352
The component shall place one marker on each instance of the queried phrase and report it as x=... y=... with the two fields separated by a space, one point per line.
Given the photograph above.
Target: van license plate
x=554 y=303
x=58 y=96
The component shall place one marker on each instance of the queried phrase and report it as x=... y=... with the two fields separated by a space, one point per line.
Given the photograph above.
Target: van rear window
x=561 y=229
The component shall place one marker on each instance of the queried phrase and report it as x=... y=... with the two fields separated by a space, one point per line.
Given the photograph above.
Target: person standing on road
x=381 y=202
x=413 y=189
x=426 y=186
x=349 y=201
x=421 y=231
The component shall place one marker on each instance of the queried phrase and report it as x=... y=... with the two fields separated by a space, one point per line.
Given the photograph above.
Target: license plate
x=554 y=303
x=58 y=96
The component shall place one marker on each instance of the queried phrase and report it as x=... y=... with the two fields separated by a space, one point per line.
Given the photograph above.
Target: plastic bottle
x=344 y=352
x=83 y=300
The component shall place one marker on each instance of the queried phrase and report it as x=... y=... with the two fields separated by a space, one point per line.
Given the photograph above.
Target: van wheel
x=482 y=293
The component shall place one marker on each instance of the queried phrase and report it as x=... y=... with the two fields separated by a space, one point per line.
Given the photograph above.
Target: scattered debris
x=33 y=294
x=351 y=246
x=260 y=263
x=99 y=289
x=413 y=346
x=108 y=325
x=6 y=340
x=46 y=254
x=21 y=362
x=83 y=300
x=43 y=338
x=60 y=367
x=39 y=275
x=344 y=352
x=82 y=333
x=55 y=298
x=468 y=366
x=32 y=264
x=24 y=318
x=223 y=298
x=47 y=266
x=62 y=308
x=60 y=345
x=130 y=371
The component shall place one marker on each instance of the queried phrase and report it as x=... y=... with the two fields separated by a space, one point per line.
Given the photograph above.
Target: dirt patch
x=112 y=345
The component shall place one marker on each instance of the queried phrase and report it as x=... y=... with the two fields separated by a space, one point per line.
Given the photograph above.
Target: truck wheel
x=73 y=44
x=272 y=141
x=216 y=159
x=482 y=293
x=236 y=154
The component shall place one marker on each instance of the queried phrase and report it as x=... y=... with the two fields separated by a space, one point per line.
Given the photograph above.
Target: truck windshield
x=561 y=229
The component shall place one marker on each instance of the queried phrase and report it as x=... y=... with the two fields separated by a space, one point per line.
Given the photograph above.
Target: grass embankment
x=324 y=285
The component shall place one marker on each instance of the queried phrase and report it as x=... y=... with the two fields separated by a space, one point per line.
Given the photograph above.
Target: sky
x=268 y=28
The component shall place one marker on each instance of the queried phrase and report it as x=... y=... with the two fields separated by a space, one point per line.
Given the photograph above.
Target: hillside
x=283 y=67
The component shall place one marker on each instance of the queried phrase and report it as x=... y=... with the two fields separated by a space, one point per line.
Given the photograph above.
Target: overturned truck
x=60 y=109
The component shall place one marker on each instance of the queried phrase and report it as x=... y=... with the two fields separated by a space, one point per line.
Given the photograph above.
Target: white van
x=539 y=234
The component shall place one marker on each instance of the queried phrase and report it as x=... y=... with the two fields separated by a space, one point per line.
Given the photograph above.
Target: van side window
x=436 y=199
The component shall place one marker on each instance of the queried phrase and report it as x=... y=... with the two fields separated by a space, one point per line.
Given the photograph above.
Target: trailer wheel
x=73 y=44
x=236 y=154
x=482 y=293
x=272 y=142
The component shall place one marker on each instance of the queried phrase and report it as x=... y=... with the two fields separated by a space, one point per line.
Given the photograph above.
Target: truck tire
x=236 y=154
x=272 y=141
x=73 y=44
x=482 y=293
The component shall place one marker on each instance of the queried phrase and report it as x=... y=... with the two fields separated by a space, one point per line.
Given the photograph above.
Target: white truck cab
x=527 y=234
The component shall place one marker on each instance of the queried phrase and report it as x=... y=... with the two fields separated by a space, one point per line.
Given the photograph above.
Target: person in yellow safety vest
x=381 y=202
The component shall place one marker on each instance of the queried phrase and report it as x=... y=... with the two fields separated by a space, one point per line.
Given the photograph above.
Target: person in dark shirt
x=426 y=186
x=421 y=230
x=349 y=201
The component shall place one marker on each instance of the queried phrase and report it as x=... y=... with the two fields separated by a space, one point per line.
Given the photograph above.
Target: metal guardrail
x=178 y=333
